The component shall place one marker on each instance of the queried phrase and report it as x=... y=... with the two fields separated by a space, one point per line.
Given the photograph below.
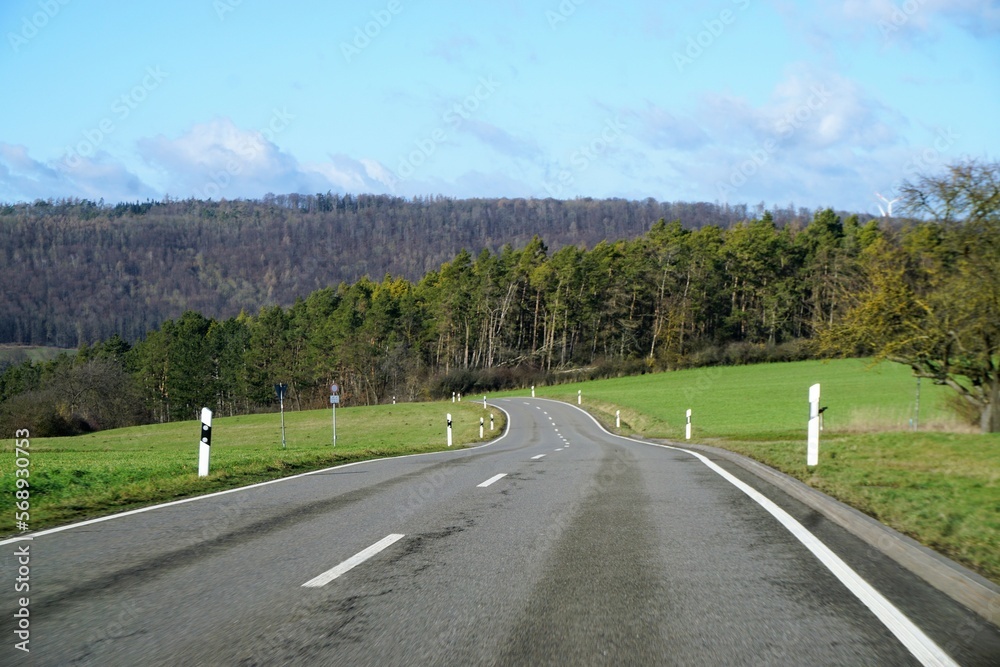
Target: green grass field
x=17 y=353
x=939 y=485
x=110 y=471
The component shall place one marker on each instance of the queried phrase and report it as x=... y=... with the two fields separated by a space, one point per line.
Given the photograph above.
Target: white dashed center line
x=353 y=561
x=492 y=479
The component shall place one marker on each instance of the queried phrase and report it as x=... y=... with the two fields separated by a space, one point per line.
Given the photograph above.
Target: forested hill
x=77 y=271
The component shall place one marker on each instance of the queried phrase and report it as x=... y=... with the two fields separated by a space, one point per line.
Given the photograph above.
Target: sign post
x=206 y=440
x=280 y=390
x=812 y=452
x=334 y=401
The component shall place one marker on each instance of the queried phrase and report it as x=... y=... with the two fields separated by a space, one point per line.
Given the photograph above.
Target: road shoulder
x=957 y=582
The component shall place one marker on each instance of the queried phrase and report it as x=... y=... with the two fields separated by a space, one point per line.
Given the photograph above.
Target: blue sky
x=739 y=101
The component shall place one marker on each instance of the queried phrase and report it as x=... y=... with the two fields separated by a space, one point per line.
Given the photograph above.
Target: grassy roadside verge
x=940 y=487
x=87 y=476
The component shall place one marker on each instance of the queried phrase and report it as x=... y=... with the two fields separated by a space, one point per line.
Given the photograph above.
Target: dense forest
x=669 y=298
x=78 y=272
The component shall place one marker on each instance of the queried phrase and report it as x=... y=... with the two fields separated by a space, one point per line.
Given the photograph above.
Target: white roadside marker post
x=204 y=447
x=459 y=397
x=532 y=391
x=334 y=401
x=449 y=429
x=812 y=452
x=452 y=397
x=481 y=428
x=484 y=402
x=491 y=422
x=618 y=418
x=687 y=426
x=280 y=390
x=579 y=396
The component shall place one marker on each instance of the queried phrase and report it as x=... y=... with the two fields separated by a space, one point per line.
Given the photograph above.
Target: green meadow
x=36 y=353
x=939 y=484
x=90 y=475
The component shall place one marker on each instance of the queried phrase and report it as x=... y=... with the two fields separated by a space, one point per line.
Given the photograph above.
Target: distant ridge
x=79 y=271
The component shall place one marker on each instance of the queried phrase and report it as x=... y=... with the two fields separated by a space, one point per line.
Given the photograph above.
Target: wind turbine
x=886 y=212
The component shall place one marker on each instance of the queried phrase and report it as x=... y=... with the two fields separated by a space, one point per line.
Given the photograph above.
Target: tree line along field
x=82 y=271
x=924 y=295
x=671 y=298
x=75 y=478
x=939 y=485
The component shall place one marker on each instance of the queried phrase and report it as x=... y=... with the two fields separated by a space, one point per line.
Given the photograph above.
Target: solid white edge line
x=109 y=517
x=352 y=562
x=491 y=480
x=906 y=631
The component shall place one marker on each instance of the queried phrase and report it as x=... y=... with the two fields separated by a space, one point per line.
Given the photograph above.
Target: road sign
x=281 y=390
x=334 y=389
x=335 y=400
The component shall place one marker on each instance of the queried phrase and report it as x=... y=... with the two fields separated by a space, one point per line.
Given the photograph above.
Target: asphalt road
x=590 y=550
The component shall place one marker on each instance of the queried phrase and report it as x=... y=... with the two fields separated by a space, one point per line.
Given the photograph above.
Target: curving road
x=590 y=549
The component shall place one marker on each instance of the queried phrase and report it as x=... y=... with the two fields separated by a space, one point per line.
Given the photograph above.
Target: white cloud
x=902 y=21
x=817 y=135
x=808 y=109
x=500 y=139
x=350 y=175
x=662 y=129
x=218 y=159
x=22 y=178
